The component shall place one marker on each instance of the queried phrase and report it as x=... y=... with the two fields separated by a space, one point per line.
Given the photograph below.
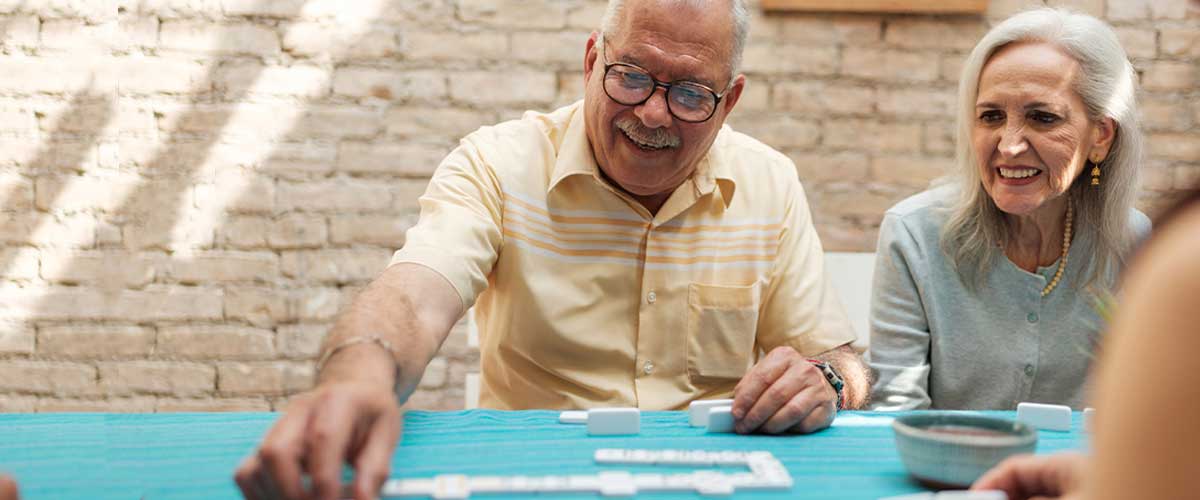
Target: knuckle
x=318 y=437
x=273 y=452
x=776 y=394
x=243 y=474
x=783 y=351
x=377 y=477
x=760 y=378
x=795 y=408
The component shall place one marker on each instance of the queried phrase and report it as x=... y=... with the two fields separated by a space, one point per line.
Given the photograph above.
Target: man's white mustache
x=656 y=137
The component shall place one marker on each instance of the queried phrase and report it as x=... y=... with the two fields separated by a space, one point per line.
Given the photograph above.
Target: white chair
x=852 y=274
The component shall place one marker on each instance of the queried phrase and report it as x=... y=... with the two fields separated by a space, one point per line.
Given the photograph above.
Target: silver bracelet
x=374 y=339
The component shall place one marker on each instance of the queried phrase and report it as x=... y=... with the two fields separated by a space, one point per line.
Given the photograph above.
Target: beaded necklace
x=1066 y=247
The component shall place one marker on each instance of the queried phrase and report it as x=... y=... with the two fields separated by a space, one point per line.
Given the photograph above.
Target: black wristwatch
x=835 y=380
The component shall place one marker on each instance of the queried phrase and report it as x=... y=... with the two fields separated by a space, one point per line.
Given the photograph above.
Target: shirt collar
x=575 y=154
x=575 y=158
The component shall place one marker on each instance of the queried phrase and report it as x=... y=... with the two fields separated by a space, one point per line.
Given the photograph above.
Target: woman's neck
x=1036 y=239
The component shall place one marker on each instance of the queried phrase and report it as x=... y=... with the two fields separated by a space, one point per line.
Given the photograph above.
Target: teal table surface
x=192 y=455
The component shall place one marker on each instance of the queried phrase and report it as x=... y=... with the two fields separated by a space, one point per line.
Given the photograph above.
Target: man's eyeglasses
x=631 y=85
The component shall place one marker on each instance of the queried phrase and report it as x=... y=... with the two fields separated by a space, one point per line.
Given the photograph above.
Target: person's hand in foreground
x=8 y=488
x=345 y=421
x=783 y=392
x=1037 y=477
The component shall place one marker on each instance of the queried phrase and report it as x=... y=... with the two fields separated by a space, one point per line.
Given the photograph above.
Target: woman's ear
x=1102 y=139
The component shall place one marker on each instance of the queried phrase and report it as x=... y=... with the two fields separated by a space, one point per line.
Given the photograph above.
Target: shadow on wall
x=219 y=270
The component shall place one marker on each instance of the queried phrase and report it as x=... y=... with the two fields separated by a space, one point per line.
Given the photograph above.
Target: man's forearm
x=856 y=377
x=408 y=307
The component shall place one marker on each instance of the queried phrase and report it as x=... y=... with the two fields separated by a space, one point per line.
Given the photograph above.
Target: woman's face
x=1031 y=133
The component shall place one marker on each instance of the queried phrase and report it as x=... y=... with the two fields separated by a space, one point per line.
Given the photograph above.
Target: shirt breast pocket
x=721 y=324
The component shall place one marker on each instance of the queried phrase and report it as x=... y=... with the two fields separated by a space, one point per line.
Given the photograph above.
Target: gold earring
x=1095 y=174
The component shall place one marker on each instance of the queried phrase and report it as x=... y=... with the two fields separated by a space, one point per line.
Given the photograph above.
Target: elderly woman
x=986 y=287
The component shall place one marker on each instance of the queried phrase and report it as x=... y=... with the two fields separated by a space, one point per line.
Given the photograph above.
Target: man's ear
x=734 y=93
x=590 y=54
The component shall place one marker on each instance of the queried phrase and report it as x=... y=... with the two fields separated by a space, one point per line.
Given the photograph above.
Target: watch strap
x=835 y=380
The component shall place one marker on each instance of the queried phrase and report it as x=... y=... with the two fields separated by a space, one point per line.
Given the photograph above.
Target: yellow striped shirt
x=583 y=299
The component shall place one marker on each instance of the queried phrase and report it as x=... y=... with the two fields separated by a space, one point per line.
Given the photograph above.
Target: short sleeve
x=459 y=232
x=800 y=306
x=899 y=351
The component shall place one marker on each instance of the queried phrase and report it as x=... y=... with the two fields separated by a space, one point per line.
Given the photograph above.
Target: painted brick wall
x=191 y=189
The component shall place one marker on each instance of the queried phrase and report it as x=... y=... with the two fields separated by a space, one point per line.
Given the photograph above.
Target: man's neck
x=653 y=203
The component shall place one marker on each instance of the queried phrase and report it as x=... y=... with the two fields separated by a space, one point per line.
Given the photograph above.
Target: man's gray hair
x=1107 y=86
x=610 y=25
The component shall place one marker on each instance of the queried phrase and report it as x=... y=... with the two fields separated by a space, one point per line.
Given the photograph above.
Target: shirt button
x=1033 y=317
x=1029 y=370
x=651 y=297
x=648 y=367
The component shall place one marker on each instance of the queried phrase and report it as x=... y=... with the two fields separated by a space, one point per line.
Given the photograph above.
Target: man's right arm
x=377 y=351
x=353 y=414
x=409 y=306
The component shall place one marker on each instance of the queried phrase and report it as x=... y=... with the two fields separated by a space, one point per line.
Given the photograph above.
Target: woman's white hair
x=610 y=25
x=1107 y=86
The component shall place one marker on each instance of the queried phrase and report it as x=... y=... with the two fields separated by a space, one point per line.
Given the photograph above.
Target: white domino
x=720 y=419
x=451 y=487
x=710 y=483
x=971 y=495
x=699 y=458
x=645 y=457
x=1089 y=419
x=489 y=484
x=1045 y=417
x=650 y=482
x=698 y=410
x=523 y=484
x=767 y=473
x=407 y=488
x=617 y=484
x=730 y=458
x=743 y=479
x=613 y=421
x=573 y=417
x=584 y=483
x=609 y=456
x=679 y=482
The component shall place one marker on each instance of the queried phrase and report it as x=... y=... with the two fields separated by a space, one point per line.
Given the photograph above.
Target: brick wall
x=191 y=189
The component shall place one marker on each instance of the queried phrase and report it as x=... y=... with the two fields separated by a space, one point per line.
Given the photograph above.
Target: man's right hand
x=8 y=489
x=355 y=422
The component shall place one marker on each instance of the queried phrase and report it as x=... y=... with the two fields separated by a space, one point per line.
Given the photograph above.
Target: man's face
x=643 y=148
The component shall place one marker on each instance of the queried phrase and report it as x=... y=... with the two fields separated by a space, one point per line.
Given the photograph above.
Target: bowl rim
x=1016 y=433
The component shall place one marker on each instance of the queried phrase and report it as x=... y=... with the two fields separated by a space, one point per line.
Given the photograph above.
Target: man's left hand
x=784 y=392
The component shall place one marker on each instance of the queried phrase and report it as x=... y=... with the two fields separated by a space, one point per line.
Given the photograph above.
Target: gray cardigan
x=937 y=344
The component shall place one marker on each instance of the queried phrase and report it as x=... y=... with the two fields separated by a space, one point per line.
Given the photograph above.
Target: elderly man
x=628 y=250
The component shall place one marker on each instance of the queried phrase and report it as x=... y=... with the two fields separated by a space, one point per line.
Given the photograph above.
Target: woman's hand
x=1037 y=477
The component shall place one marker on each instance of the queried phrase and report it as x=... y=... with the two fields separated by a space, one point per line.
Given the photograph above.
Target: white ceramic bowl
x=951 y=450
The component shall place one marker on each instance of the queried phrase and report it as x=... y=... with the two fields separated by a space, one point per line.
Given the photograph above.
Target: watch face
x=832 y=376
